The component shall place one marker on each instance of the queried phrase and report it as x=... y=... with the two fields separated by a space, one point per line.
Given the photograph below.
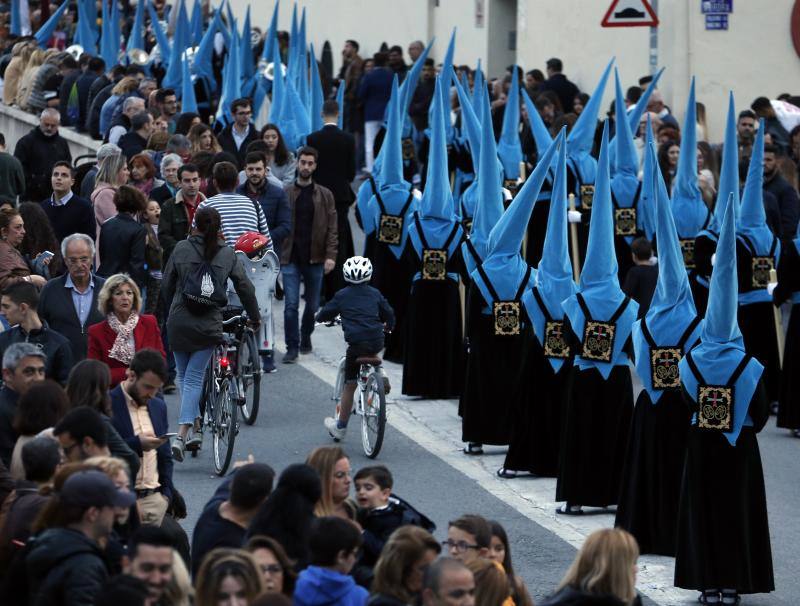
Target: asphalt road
x=422 y=449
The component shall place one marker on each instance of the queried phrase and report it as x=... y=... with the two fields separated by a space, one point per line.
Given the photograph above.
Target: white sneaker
x=337 y=433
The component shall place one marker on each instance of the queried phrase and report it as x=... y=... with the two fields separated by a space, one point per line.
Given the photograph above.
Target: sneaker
x=170 y=388
x=177 y=448
x=268 y=364
x=290 y=357
x=196 y=441
x=337 y=433
x=305 y=346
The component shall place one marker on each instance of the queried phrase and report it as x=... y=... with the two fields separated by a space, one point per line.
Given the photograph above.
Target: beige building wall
x=754 y=57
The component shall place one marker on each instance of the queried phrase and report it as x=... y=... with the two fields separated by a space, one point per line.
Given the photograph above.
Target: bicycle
x=369 y=400
x=225 y=389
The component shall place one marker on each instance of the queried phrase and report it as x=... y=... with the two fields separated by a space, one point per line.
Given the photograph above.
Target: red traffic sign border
x=652 y=23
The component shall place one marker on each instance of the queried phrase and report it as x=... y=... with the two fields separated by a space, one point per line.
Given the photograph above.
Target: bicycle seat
x=371 y=360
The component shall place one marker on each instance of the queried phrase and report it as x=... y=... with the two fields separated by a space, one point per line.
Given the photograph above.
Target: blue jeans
x=191 y=367
x=312 y=278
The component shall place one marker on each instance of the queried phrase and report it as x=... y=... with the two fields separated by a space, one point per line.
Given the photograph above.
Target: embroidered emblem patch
x=434 y=264
x=391 y=229
x=664 y=367
x=506 y=318
x=625 y=221
x=715 y=407
x=598 y=341
x=555 y=345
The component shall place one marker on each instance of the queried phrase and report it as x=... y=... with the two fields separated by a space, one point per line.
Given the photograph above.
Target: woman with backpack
x=195 y=282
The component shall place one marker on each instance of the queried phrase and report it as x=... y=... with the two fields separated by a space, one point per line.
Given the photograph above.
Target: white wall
x=754 y=57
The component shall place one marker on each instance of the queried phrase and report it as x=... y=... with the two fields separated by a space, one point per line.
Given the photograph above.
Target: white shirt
x=61 y=201
x=239 y=137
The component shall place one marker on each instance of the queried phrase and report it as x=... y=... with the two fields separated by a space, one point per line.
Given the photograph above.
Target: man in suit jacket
x=69 y=303
x=336 y=170
x=140 y=417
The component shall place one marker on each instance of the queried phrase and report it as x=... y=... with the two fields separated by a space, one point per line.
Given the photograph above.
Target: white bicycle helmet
x=357 y=270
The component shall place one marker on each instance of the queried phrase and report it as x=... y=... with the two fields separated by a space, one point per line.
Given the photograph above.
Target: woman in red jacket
x=124 y=331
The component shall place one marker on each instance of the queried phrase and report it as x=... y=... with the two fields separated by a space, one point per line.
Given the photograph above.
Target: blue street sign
x=716 y=6
x=716 y=22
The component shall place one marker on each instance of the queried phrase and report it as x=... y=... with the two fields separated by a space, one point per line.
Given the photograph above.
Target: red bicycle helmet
x=251 y=243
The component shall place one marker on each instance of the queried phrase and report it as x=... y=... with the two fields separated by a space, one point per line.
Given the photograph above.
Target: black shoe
x=268 y=364
x=170 y=388
x=290 y=357
x=305 y=346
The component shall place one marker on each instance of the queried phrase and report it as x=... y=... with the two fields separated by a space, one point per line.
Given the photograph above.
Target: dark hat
x=94 y=489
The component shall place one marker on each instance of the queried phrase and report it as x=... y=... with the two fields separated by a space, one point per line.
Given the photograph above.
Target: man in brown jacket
x=308 y=252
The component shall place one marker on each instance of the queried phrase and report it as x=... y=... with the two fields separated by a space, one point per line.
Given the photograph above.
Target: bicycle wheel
x=248 y=376
x=373 y=419
x=224 y=428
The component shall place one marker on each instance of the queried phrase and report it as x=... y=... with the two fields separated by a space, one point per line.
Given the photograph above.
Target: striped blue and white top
x=239 y=214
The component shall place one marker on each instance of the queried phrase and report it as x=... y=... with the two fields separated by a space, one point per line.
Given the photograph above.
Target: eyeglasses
x=458 y=546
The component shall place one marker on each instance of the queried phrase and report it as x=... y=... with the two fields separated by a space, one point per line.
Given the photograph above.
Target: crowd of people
x=584 y=247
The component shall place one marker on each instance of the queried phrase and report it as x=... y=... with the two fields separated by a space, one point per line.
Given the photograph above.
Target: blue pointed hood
x=721 y=346
x=340 y=103
x=636 y=113
x=541 y=135
x=202 y=64
x=672 y=308
x=751 y=224
x=293 y=36
x=295 y=125
x=729 y=171
x=437 y=199
x=196 y=22
x=161 y=36
x=625 y=181
x=188 y=98
x=136 y=36
x=16 y=18
x=504 y=267
x=172 y=79
x=436 y=217
x=317 y=96
x=581 y=137
x=107 y=48
x=246 y=48
x=478 y=85
x=509 y=148
x=444 y=93
x=278 y=86
x=231 y=79
x=647 y=199
x=600 y=268
x=393 y=189
x=391 y=172
x=489 y=198
x=45 y=32
x=599 y=285
x=690 y=212
x=470 y=125
x=272 y=34
x=85 y=34
x=554 y=281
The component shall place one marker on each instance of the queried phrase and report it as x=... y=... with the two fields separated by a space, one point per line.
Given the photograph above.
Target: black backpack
x=202 y=291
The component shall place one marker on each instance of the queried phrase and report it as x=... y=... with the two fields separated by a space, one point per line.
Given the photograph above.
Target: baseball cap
x=94 y=489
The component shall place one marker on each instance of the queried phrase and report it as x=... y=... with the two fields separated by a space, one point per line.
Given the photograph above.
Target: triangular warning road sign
x=630 y=13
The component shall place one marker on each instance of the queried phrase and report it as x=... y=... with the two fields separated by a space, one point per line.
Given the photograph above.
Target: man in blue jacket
x=273 y=199
x=141 y=420
x=374 y=92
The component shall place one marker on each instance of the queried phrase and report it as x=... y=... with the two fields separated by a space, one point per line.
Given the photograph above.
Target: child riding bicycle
x=365 y=316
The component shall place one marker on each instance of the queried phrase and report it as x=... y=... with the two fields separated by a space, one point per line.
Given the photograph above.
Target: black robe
x=536 y=433
x=597 y=422
x=700 y=276
x=537 y=226
x=582 y=228
x=494 y=385
x=789 y=283
x=390 y=275
x=433 y=361
x=648 y=503
x=757 y=323
x=723 y=531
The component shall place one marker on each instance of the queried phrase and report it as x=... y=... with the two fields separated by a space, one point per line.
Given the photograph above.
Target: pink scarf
x=122 y=349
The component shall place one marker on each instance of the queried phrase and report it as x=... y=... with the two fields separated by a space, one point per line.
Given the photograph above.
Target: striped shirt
x=239 y=214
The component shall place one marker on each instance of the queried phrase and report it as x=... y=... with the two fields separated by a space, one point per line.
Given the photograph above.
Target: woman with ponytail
x=195 y=329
